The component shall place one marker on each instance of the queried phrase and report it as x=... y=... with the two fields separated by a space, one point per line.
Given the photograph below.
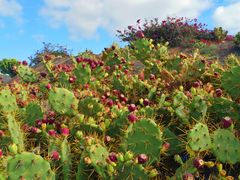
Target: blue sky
x=81 y=24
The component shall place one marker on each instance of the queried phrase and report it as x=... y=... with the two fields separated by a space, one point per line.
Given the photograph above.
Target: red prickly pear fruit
x=140 y=34
x=65 y=131
x=188 y=176
x=79 y=59
x=146 y=102
x=121 y=97
x=35 y=130
x=152 y=77
x=1 y=133
x=72 y=79
x=198 y=163
x=51 y=114
x=1 y=153
x=52 y=133
x=132 y=107
x=113 y=157
x=218 y=92
x=132 y=117
x=25 y=63
x=216 y=75
x=48 y=86
x=55 y=155
x=110 y=102
x=107 y=139
x=196 y=84
x=142 y=158
x=166 y=146
x=227 y=122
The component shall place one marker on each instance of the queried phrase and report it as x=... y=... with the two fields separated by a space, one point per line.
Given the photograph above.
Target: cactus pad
x=27 y=74
x=83 y=74
x=33 y=112
x=63 y=101
x=29 y=166
x=144 y=136
x=8 y=102
x=199 y=138
x=226 y=147
x=90 y=106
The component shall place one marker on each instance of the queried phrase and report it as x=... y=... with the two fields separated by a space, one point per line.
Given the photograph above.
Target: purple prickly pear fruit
x=65 y=131
x=166 y=146
x=146 y=102
x=25 y=63
x=227 y=122
x=132 y=107
x=152 y=77
x=142 y=158
x=198 y=162
x=72 y=79
x=43 y=74
x=188 y=176
x=113 y=157
x=132 y=117
x=218 y=92
x=35 y=130
x=196 y=84
x=55 y=155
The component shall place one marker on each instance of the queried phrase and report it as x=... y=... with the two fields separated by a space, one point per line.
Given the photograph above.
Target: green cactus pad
x=33 y=112
x=63 y=101
x=65 y=158
x=230 y=82
x=226 y=147
x=27 y=74
x=199 y=138
x=8 y=102
x=175 y=143
x=130 y=170
x=90 y=106
x=15 y=132
x=144 y=136
x=198 y=108
x=83 y=74
x=98 y=155
x=29 y=166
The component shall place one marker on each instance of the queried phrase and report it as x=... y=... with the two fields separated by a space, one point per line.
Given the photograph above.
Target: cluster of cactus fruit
x=130 y=113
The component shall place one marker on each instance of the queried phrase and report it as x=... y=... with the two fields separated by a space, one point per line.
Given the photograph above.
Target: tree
x=6 y=66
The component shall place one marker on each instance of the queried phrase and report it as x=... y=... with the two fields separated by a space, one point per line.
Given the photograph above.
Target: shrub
x=176 y=31
x=6 y=66
x=49 y=49
x=219 y=34
x=237 y=39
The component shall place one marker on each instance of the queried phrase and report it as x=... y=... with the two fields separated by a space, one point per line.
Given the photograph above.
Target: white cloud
x=228 y=17
x=11 y=8
x=83 y=18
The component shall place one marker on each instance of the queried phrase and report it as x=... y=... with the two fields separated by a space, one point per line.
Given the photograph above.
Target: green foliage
x=237 y=39
x=27 y=74
x=6 y=66
x=29 y=166
x=219 y=33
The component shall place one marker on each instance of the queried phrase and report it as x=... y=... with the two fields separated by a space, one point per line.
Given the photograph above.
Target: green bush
x=6 y=66
x=237 y=39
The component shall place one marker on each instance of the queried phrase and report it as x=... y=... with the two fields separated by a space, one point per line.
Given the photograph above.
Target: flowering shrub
x=176 y=31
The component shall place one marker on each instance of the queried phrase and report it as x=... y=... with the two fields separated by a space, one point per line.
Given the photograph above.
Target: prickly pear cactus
x=83 y=73
x=198 y=108
x=15 y=132
x=65 y=159
x=27 y=74
x=33 y=112
x=97 y=155
x=8 y=102
x=29 y=166
x=230 y=82
x=90 y=106
x=199 y=138
x=63 y=101
x=172 y=139
x=226 y=147
x=144 y=136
